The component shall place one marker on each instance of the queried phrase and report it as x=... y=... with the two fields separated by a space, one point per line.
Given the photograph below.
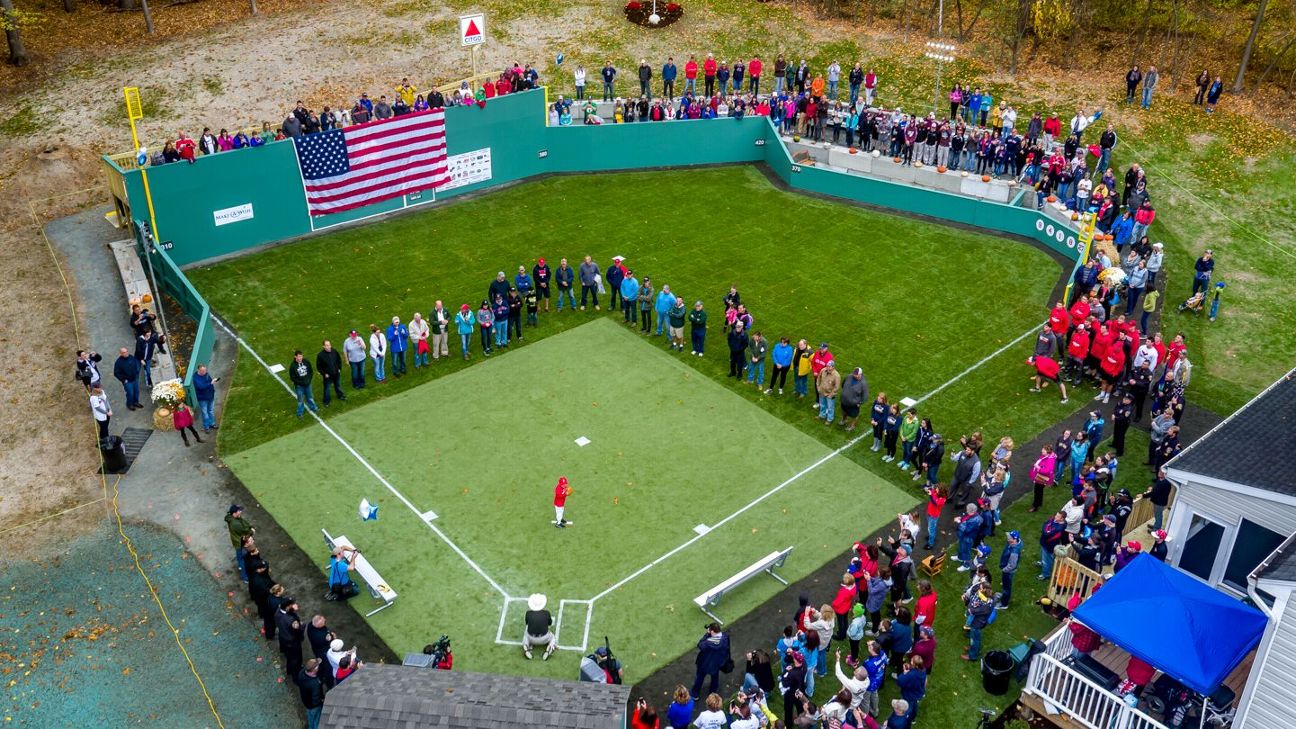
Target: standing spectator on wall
x=645 y=79
x=590 y=278
x=754 y=68
x=329 y=364
x=300 y=374
x=127 y=370
x=354 y=349
x=609 y=73
x=205 y=394
x=397 y=343
x=709 y=69
x=579 y=76
x=668 y=73
x=690 y=76
x=382 y=109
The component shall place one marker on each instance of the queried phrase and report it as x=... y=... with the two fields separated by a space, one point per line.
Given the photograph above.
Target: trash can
x=996 y=672
x=114 y=454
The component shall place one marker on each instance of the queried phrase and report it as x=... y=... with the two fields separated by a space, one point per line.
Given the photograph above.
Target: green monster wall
x=187 y=197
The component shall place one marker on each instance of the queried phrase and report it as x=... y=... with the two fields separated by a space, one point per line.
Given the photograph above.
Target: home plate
x=582 y=441
x=701 y=529
x=276 y=369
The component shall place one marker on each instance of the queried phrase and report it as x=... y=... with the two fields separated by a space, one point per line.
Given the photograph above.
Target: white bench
x=378 y=587
x=766 y=564
x=136 y=281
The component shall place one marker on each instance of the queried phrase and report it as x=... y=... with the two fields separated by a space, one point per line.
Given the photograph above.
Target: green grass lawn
x=912 y=302
x=670 y=449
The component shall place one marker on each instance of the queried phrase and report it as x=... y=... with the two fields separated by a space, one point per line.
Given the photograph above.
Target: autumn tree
x=12 y=21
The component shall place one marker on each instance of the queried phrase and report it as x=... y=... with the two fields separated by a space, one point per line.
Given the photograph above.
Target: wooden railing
x=1068 y=578
x=1140 y=515
x=1082 y=701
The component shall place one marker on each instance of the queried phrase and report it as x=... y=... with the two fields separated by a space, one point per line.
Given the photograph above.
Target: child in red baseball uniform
x=561 y=491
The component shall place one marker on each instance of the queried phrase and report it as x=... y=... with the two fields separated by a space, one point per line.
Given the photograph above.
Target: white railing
x=1079 y=699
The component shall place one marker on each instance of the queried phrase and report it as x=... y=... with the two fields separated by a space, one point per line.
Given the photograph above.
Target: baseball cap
x=1015 y=535
x=562 y=480
x=337 y=644
x=541 y=261
x=1135 y=545
x=1159 y=534
x=600 y=651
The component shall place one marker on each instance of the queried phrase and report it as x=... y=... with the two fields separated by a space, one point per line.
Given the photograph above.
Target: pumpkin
x=1051 y=198
x=796 y=137
x=896 y=160
x=1075 y=216
x=854 y=150
x=940 y=169
x=985 y=178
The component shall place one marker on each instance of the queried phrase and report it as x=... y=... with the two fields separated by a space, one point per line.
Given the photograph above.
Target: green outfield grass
x=912 y=302
x=670 y=449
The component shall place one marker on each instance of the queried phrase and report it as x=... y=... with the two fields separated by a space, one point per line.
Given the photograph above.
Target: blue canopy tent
x=1183 y=627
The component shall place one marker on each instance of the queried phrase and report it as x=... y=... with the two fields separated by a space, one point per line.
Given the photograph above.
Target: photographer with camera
x=439 y=653
x=539 y=624
x=341 y=586
x=712 y=658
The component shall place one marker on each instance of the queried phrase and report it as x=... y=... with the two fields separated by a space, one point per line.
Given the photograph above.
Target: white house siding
x=1232 y=507
x=1271 y=694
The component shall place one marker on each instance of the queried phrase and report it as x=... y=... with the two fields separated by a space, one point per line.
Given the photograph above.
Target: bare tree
x=254 y=7
x=69 y=6
x=148 y=17
x=12 y=24
x=1240 y=81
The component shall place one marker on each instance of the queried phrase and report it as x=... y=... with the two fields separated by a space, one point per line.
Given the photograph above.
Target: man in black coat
x=738 y=342
x=127 y=370
x=291 y=634
x=713 y=654
x=312 y=691
x=259 y=584
x=319 y=637
x=329 y=365
x=965 y=476
x=145 y=345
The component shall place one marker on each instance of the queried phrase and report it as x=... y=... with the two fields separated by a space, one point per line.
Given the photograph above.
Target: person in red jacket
x=1077 y=350
x=1052 y=127
x=754 y=67
x=1103 y=337
x=842 y=604
x=1046 y=371
x=1079 y=312
x=690 y=76
x=1059 y=321
x=1113 y=367
x=561 y=492
x=709 y=72
x=925 y=607
x=186 y=147
x=936 y=498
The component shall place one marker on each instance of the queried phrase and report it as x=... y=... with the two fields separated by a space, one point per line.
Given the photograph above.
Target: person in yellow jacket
x=407 y=92
x=801 y=368
x=996 y=119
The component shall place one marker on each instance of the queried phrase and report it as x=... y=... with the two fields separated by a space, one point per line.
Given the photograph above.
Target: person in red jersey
x=561 y=492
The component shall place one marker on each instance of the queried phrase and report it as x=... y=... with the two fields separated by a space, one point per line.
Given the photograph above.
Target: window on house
x=1252 y=545
x=1201 y=547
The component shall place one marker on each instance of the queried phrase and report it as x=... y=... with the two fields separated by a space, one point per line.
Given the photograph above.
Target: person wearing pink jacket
x=1042 y=475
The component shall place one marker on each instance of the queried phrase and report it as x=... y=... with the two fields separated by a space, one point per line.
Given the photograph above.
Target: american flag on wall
x=363 y=164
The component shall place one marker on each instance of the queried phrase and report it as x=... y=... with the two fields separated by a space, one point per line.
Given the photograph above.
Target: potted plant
x=166 y=396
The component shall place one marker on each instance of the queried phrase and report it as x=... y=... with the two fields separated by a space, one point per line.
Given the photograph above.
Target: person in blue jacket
x=1122 y=230
x=969 y=529
x=629 y=298
x=665 y=300
x=782 y=359
x=205 y=393
x=397 y=343
x=713 y=653
x=668 y=74
x=913 y=685
x=1093 y=429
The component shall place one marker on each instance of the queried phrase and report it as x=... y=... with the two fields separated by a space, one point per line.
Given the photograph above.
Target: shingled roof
x=404 y=697
x=1255 y=447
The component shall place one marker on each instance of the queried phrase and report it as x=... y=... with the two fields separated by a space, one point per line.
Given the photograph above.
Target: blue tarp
x=1183 y=627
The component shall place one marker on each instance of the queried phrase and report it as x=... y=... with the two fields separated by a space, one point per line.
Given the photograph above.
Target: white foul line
x=368 y=467
x=799 y=474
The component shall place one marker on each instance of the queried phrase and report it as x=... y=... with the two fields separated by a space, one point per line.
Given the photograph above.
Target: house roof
x=1254 y=447
x=400 y=697
x=1281 y=565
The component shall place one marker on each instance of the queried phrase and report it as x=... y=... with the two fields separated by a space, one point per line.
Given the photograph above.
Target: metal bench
x=136 y=281
x=766 y=564
x=378 y=587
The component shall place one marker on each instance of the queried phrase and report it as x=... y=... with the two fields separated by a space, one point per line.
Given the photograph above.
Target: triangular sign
x=472 y=29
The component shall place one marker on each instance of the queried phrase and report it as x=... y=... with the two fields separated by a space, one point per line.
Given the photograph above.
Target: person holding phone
x=205 y=393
